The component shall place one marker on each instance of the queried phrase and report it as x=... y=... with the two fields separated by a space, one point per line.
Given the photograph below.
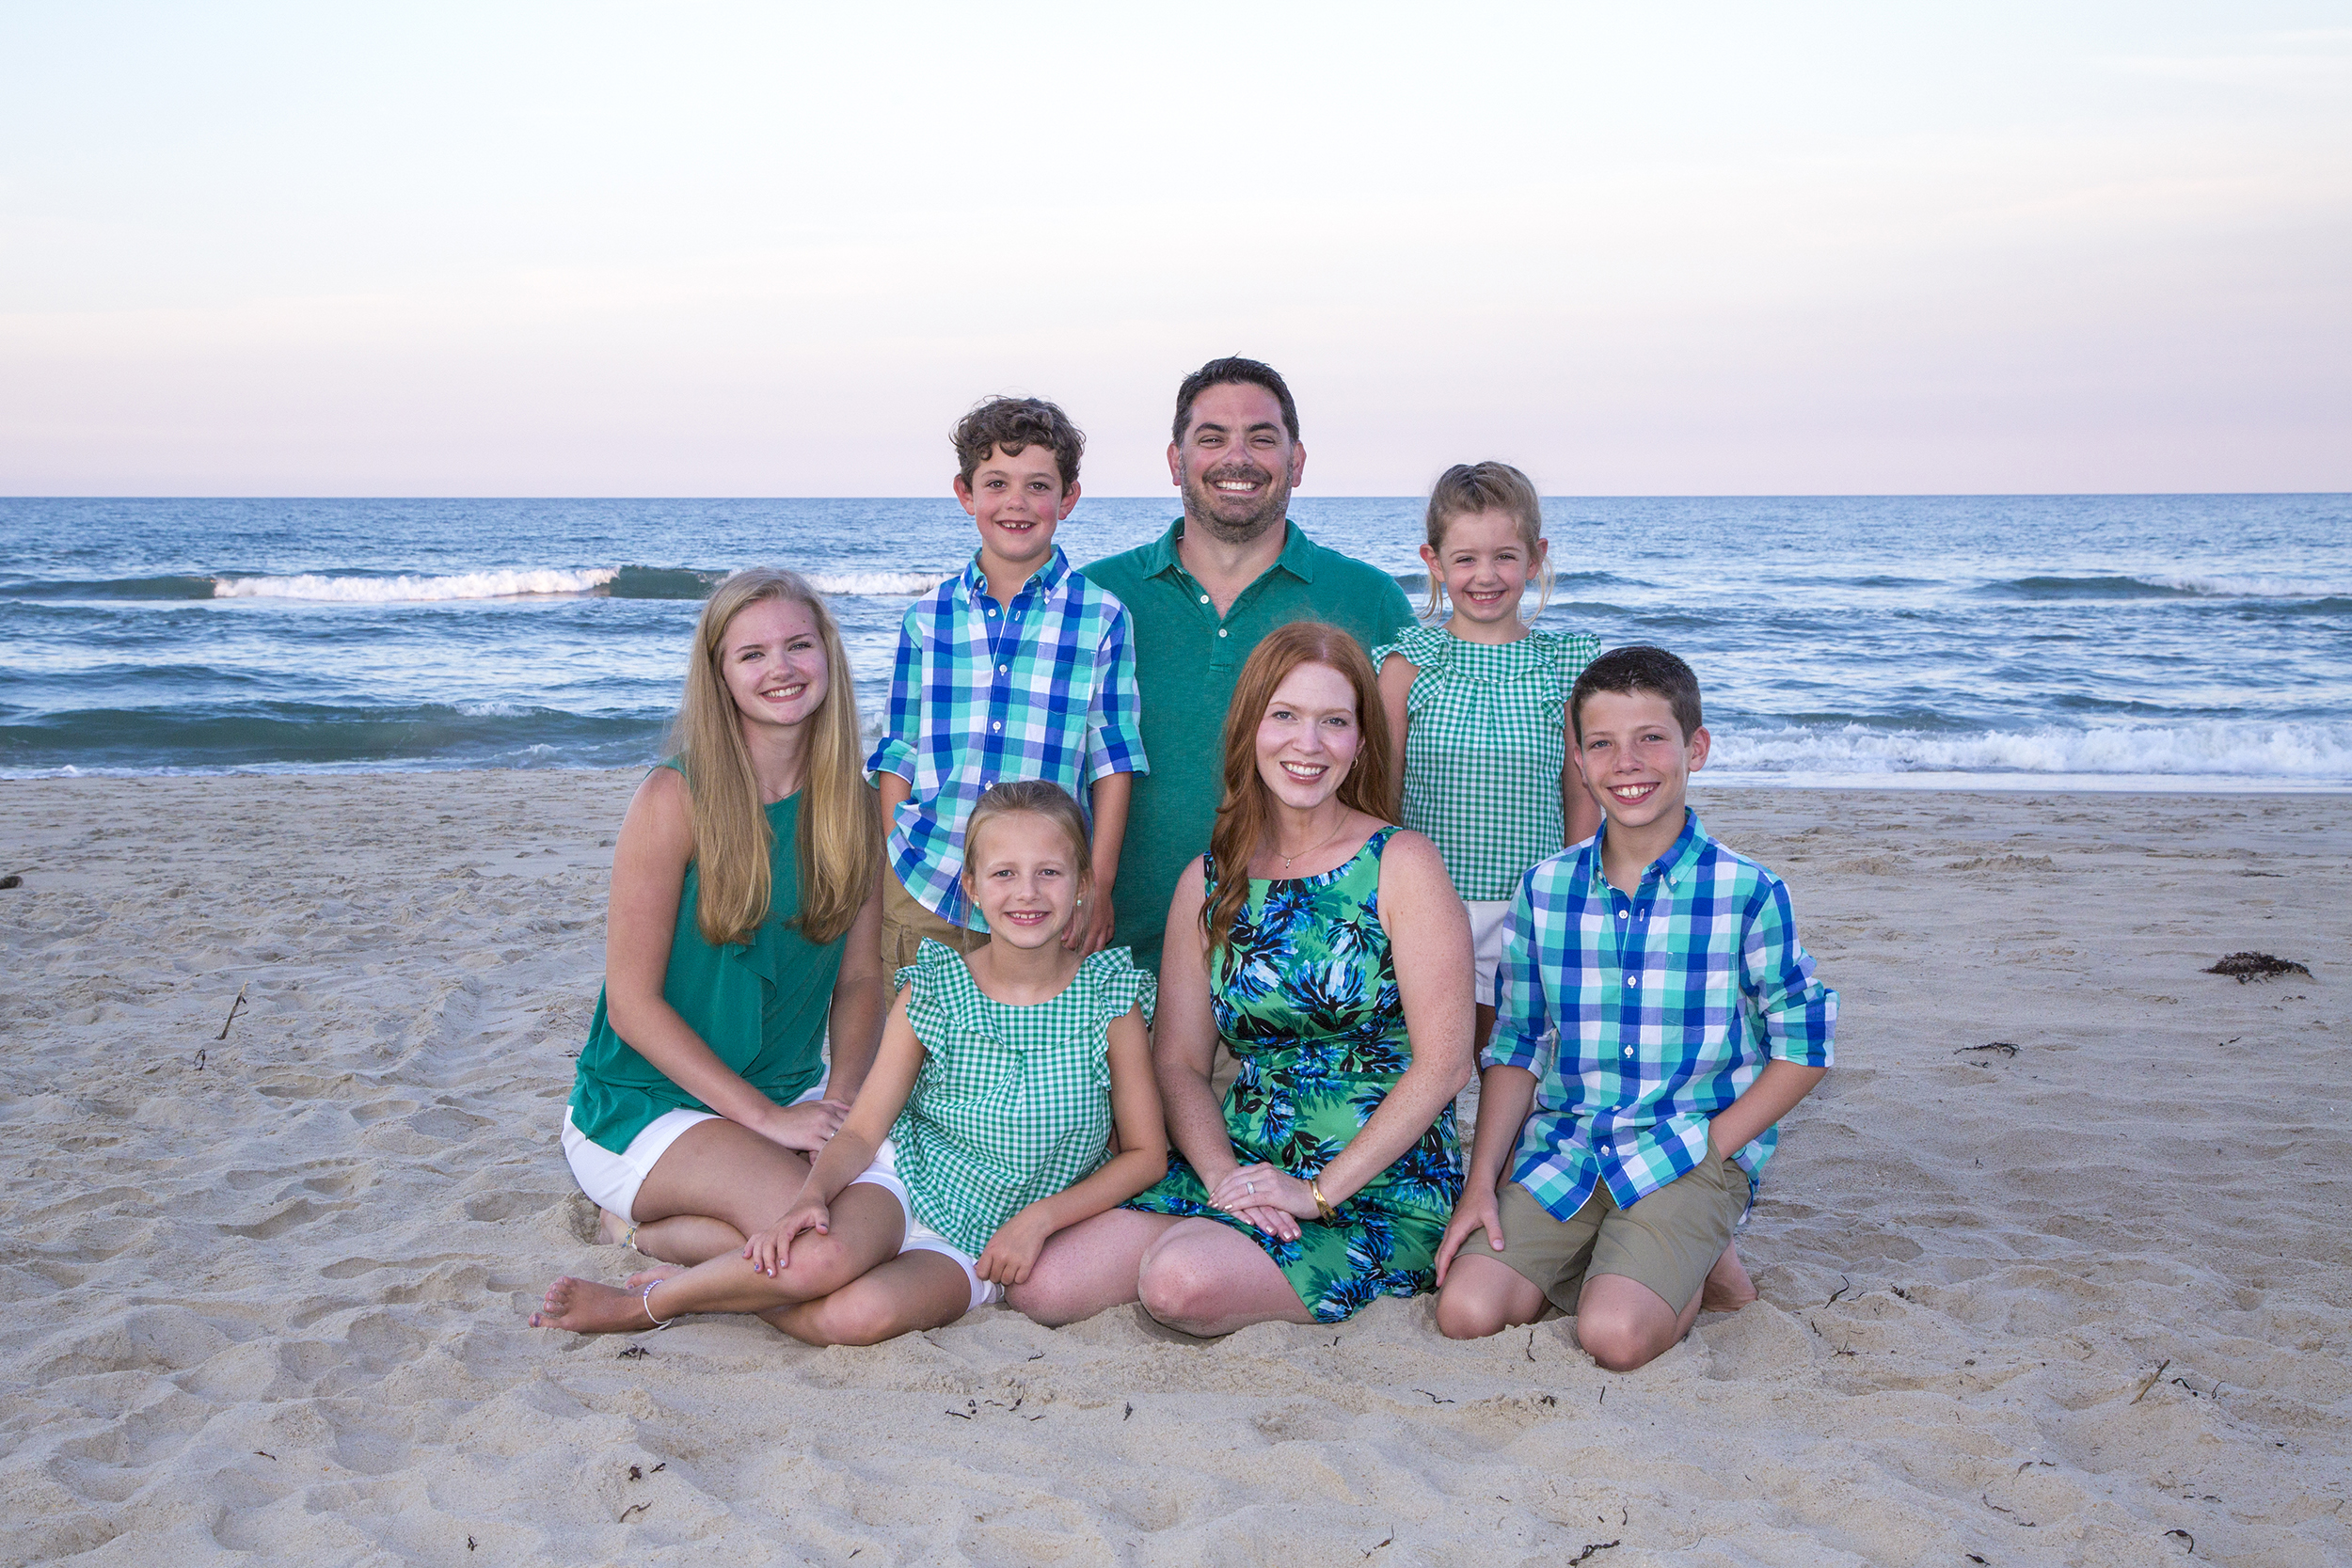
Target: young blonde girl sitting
x=984 y=1126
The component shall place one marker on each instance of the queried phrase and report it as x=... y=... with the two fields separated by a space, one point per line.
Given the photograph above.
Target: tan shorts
x=1668 y=1241
x=907 y=924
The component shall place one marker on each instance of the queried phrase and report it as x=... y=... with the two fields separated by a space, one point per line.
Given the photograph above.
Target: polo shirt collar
x=1297 y=557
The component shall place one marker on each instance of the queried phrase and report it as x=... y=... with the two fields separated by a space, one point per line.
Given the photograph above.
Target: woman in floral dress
x=1323 y=947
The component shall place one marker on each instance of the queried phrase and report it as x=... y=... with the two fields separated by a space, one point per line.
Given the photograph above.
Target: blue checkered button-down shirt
x=1044 y=688
x=1665 y=1005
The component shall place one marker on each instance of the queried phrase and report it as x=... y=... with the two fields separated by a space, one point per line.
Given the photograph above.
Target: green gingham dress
x=1485 y=743
x=1011 y=1103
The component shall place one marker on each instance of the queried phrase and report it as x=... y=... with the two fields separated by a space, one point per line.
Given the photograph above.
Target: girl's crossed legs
x=849 y=1285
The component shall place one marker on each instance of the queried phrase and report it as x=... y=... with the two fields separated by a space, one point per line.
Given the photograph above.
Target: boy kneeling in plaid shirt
x=1656 y=1017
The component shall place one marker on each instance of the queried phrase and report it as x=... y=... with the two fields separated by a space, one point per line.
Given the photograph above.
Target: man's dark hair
x=1228 y=371
x=1009 y=424
x=1639 y=667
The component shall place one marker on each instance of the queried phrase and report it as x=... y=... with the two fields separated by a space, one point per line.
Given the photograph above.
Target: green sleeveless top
x=760 y=1007
x=1011 y=1103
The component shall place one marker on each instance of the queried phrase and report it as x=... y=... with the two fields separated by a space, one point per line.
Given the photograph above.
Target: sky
x=766 y=249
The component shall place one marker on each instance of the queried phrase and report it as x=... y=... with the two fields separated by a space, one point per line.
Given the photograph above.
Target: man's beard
x=1202 y=502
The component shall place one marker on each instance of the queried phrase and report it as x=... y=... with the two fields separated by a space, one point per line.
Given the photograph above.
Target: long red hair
x=1245 y=817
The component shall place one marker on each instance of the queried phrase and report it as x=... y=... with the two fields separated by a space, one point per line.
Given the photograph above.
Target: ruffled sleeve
x=1423 y=647
x=1117 y=985
x=1570 y=652
x=945 y=1001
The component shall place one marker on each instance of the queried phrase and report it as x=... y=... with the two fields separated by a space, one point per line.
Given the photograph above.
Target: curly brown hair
x=1010 y=424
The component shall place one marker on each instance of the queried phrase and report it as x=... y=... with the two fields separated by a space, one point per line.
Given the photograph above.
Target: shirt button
x=996 y=726
x=1002 y=669
x=1204 y=598
x=1620 y=915
x=1630 y=979
x=1220 y=631
x=1629 y=1050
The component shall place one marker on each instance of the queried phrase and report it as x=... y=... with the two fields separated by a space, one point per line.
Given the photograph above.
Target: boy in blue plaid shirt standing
x=1015 y=667
x=1656 y=1019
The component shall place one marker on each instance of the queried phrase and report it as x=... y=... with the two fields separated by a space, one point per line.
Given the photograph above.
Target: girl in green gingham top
x=985 y=1125
x=1479 y=706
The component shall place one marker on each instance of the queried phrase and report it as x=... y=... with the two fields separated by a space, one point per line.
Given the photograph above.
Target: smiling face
x=1485 y=564
x=1634 y=758
x=1025 y=874
x=1018 y=499
x=1310 y=736
x=773 y=661
x=1237 y=463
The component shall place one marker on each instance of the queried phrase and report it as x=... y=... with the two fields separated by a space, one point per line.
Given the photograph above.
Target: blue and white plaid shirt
x=1643 y=1017
x=1044 y=688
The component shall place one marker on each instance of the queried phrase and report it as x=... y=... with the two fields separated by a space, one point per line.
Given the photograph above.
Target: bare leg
x=1205 y=1278
x=867 y=1226
x=718 y=1184
x=1087 y=1268
x=1623 y=1323
x=912 y=1290
x=1728 y=1286
x=1484 y=1295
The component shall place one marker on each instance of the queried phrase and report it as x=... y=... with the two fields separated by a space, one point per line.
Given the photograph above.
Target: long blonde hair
x=840 y=848
x=1469 y=488
x=1245 y=818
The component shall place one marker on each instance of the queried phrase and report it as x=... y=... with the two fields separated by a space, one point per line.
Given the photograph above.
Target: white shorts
x=884 y=1173
x=610 y=1180
x=1485 y=917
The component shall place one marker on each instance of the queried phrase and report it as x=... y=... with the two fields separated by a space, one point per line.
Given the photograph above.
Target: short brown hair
x=1031 y=798
x=1639 y=667
x=1234 y=371
x=1469 y=488
x=1010 y=424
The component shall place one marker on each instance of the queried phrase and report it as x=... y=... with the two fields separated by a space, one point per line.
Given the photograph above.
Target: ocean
x=2057 y=642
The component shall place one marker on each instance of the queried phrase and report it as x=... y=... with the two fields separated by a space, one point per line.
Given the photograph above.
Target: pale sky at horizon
x=736 y=249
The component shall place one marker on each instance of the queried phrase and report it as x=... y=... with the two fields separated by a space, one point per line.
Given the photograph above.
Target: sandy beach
x=2082 y=1297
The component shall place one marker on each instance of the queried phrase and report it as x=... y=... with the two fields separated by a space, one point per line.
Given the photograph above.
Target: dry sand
x=2085 y=1303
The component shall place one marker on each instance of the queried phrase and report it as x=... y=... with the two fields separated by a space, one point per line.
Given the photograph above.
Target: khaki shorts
x=1668 y=1241
x=907 y=924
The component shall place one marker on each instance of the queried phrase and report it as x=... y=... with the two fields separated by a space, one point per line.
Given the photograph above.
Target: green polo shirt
x=1187 y=661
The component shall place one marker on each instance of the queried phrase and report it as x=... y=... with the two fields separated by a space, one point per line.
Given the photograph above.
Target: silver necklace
x=1312 y=848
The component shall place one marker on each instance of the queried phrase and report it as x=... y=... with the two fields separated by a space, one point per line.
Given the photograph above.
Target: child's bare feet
x=614 y=1229
x=1728 y=1286
x=584 y=1307
x=644 y=1277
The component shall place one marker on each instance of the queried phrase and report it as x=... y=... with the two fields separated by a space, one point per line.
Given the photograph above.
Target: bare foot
x=644 y=1277
x=612 y=1229
x=1728 y=1286
x=584 y=1307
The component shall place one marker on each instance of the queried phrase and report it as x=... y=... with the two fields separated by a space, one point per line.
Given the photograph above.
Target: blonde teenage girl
x=1480 y=704
x=985 y=1126
x=745 y=918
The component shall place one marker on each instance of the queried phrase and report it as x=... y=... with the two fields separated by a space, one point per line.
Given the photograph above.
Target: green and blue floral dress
x=1305 y=997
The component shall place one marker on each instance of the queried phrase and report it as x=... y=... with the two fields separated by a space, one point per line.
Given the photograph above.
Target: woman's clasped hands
x=1266 y=1196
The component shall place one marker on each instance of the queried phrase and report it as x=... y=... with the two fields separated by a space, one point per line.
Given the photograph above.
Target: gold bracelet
x=1314 y=1190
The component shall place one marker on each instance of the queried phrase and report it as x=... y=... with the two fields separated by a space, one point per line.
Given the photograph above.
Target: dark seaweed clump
x=2257 y=966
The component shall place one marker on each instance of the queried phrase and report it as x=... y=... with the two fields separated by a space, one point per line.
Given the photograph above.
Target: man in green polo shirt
x=1199 y=598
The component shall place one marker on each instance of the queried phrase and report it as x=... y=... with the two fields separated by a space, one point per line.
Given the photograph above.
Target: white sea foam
x=465 y=585
x=2247 y=588
x=876 y=584
x=2214 y=747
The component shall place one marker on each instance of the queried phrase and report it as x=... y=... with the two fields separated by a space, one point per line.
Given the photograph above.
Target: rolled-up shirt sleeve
x=895 y=752
x=1115 y=715
x=1799 y=1013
